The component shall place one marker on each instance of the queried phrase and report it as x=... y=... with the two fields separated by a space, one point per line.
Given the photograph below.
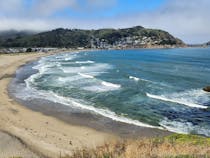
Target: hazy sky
x=185 y=19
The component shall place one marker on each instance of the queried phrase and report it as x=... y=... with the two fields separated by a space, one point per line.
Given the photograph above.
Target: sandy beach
x=44 y=136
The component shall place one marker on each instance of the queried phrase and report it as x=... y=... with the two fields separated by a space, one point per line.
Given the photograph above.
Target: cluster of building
x=97 y=43
x=22 y=50
x=125 y=42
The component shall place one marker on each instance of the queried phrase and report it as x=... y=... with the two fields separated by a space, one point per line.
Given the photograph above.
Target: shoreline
x=100 y=49
x=47 y=134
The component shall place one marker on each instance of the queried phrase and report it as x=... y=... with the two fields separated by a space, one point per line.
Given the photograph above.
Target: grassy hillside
x=174 y=146
x=73 y=38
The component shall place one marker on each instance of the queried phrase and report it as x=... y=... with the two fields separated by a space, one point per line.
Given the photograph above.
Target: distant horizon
x=184 y=19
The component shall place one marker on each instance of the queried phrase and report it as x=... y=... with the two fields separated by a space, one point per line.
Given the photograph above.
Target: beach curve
x=44 y=134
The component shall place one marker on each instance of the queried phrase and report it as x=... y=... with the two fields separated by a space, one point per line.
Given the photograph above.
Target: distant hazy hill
x=208 y=43
x=11 y=34
x=103 y=38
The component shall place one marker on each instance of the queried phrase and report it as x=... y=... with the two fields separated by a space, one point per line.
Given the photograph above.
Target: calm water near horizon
x=158 y=88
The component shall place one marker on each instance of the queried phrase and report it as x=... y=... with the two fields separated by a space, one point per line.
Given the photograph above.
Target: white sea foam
x=31 y=93
x=63 y=57
x=85 y=62
x=87 y=69
x=78 y=104
x=80 y=76
x=109 y=84
x=190 y=98
x=184 y=127
x=103 y=112
x=139 y=79
x=76 y=74
x=134 y=78
x=69 y=79
x=43 y=67
x=146 y=80
x=97 y=73
x=96 y=87
x=31 y=80
x=85 y=75
x=68 y=58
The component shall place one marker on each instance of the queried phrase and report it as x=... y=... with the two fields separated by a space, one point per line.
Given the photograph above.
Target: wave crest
x=85 y=62
x=85 y=75
x=134 y=78
x=184 y=127
x=109 y=84
x=185 y=98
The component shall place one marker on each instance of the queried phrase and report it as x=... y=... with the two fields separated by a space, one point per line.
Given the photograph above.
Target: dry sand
x=10 y=146
x=33 y=132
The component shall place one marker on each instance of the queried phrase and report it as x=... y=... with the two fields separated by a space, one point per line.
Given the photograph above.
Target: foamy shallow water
x=158 y=88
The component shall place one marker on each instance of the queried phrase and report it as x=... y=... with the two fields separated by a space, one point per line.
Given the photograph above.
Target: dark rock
x=207 y=89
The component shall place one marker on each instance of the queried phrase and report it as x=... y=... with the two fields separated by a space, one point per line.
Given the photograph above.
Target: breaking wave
x=109 y=84
x=79 y=104
x=184 y=127
x=194 y=98
x=85 y=75
x=134 y=78
x=85 y=62
x=98 y=67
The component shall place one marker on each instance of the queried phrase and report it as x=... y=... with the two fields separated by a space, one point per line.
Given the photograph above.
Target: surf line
x=176 y=101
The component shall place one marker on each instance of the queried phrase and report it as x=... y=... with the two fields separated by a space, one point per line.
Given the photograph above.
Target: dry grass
x=178 y=146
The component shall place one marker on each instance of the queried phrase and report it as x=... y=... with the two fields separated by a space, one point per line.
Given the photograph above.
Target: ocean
x=154 y=88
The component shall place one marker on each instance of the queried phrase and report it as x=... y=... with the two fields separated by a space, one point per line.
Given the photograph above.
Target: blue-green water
x=158 y=88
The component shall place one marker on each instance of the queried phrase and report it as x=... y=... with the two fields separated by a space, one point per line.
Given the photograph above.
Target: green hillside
x=102 y=38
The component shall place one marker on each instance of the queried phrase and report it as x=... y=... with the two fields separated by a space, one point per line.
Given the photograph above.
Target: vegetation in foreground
x=174 y=146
